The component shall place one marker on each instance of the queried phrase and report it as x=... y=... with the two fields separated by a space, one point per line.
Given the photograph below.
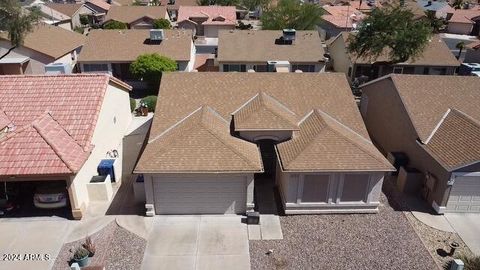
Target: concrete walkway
x=467 y=225
x=197 y=242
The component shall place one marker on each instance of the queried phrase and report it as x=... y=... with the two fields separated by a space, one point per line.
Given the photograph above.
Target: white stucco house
x=221 y=142
x=72 y=124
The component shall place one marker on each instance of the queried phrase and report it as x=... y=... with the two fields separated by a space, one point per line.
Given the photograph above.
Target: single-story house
x=174 y=5
x=73 y=11
x=100 y=8
x=435 y=122
x=441 y=9
x=207 y=21
x=217 y=137
x=269 y=51
x=465 y=21
x=113 y=51
x=137 y=17
x=472 y=55
x=57 y=129
x=436 y=59
x=45 y=45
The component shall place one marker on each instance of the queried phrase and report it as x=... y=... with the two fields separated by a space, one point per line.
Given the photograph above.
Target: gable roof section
x=210 y=13
x=4 y=120
x=129 y=14
x=324 y=144
x=231 y=46
x=67 y=9
x=436 y=53
x=51 y=40
x=99 y=3
x=465 y=15
x=200 y=143
x=264 y=112
x=456 y=142
x=127 y=45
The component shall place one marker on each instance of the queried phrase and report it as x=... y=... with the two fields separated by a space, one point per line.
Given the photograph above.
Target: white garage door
x=197 y=195
x=465 y=195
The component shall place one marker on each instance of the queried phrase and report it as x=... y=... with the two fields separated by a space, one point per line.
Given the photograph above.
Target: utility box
x=409 y=180
x=457 y=264
x=100 y=188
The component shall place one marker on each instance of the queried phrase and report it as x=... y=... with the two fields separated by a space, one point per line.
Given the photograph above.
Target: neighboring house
x=269 y=49
x=113 y=51
x=436 y=59
x=100 y=8
x=137 y=17
x=174 y=5
x=57 y=129
x=55 y=18
x=441 y=8
x=73 y=11
x=473 y=53
x=465 y=21
x=435 y=122
x=219 y=138
x=45 y=45
x=206 y=21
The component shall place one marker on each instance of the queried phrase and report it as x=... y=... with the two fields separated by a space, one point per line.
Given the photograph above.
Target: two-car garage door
x=465 y=195
x=200 y=195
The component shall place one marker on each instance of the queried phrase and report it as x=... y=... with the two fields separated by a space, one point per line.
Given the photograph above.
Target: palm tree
x=460 y=46
x=17 y=22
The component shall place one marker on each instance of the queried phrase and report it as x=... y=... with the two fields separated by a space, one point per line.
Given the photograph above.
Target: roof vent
x=157 y=34
x=289 y=34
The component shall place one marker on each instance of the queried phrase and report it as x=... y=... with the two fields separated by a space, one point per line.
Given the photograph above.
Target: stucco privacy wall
x=291 y=191
x=460 y=28
x=150 y=178
x=212 y=30
x=113 y=121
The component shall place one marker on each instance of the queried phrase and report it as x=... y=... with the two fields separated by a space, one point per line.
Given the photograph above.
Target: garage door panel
x=465 y=195
x=200 y=195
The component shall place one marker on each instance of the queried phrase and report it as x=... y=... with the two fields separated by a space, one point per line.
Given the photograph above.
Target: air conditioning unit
x=157 y=35
x=289 y=34
x=278 y=66
x=58 y=68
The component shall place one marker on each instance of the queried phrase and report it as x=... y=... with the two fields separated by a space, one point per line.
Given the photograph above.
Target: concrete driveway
x=468 y=227
x=25 y=236
x=197 y=242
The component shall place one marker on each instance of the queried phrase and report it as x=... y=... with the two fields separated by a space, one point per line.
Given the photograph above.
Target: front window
x=260 y=68
x=95 y=67
x=304 y=68
x=315 y=188
x=234 y=67
x=354 y=188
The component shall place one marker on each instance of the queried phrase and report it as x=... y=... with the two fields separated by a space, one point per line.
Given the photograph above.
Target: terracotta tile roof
x=465 y=15
x=129 y=14
x=127 y=45
x=199 y=143
x=343 y=16
x=436 y=53
x=51 y=40
x=183 y=93
x=55 y=142
x=264 y=112
x=456 y=142
x=261 y=46
x=67 y=9
x=324 y=144
x=100 y=3
x=4 y=120
x=216 y=15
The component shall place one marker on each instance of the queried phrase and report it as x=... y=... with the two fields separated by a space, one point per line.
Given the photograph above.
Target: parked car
x=50 y=196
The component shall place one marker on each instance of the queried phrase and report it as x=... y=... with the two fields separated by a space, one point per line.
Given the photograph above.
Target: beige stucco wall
x=338 y=53
x=459 y=28
x=291 y=189
x=211 y=31
x=391 y=129
x=112 y=124
x=76 y=17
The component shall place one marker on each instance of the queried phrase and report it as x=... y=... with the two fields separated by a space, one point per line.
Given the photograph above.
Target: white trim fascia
x=437 y=126
x=174 y=125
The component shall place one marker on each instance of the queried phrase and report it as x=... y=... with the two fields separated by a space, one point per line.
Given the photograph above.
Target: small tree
x=149 y=67
x=114 y=25
x=16 y=22
x=161 y=24
x=392 y=31
x=292 y=14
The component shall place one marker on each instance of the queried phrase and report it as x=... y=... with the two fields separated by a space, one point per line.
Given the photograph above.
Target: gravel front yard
x=116 y=248
x=368 y=241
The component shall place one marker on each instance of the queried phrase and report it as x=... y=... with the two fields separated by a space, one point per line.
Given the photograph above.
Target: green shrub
x=133 y=104
x=79 y=29
x=161 y=24
x=84 y=19
x=115 y=25
x=150 y=101
x=149 y=67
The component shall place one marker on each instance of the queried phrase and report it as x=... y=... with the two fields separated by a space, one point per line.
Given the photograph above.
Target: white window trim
x=366 y=196
x=301 y=182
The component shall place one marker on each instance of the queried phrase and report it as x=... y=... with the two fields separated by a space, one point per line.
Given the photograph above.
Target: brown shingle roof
x=263 y=112
x=324 y=144
x=261 y=47
x=127 y=45
x=436 y=53
x=67 y=9
x=456 y=142
x=129 y=14
x=51 y=40
x=199 y=143
x=183 y=93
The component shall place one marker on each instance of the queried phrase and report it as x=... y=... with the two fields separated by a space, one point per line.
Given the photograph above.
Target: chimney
x=289 y=34
x=157 y=35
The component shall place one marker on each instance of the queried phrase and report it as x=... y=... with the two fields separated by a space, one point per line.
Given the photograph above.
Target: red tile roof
x=214 y=15
x=53 y=120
